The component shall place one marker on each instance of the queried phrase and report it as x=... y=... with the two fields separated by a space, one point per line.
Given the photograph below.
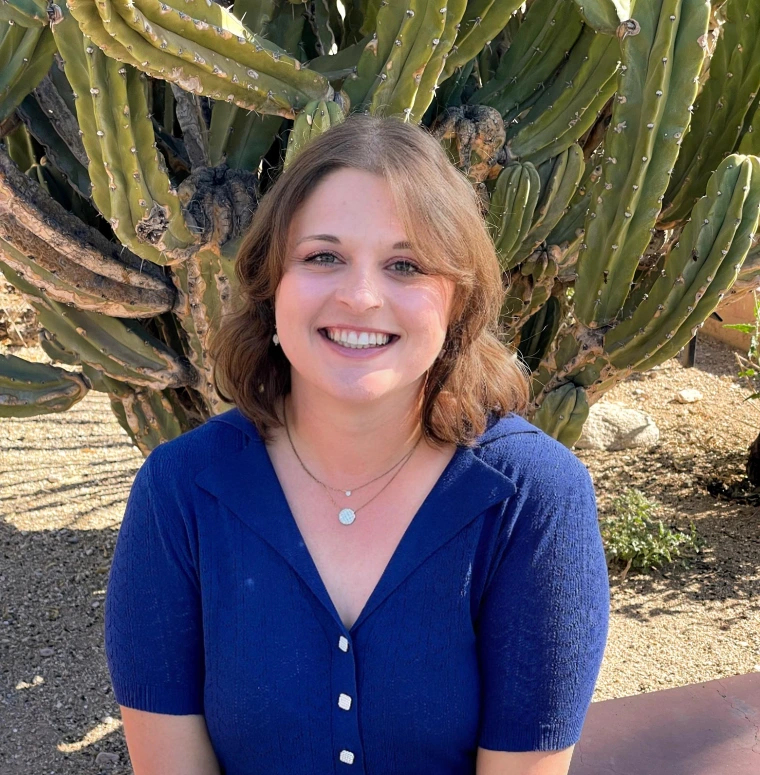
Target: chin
x=363 y=391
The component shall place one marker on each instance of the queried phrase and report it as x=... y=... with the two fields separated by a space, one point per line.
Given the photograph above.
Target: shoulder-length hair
x=476 y=375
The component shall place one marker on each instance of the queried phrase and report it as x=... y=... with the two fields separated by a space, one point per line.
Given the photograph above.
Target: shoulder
x=171 y=468
x=529 y=456
x=195 y=449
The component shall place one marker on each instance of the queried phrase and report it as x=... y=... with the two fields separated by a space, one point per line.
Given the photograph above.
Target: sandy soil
x=64 y=480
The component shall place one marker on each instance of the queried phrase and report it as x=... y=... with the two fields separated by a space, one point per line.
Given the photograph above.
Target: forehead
x=348 y=201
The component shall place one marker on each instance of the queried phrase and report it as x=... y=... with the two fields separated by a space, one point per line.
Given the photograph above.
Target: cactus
x=623 y=202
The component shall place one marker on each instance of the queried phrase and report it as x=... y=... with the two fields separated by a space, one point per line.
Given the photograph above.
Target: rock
x=106 y=758
x=614 y=426
x=48 y=652
x=688 y=396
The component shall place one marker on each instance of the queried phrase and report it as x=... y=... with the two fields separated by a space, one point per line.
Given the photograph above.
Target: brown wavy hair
x=476 y=374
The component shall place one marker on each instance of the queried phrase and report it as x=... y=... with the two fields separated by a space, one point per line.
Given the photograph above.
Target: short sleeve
x=153 y=624
x=544 y=616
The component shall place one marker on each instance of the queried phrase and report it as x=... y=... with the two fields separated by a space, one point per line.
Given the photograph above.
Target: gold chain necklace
x=346 y=515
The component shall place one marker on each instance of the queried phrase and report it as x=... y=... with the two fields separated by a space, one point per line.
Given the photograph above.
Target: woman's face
x=356 y=317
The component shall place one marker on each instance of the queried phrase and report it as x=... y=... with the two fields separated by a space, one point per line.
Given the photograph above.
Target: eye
x=320 y=259
x=407 y=267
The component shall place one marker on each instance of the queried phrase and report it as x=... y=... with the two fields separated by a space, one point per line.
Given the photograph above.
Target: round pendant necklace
x=347 y=516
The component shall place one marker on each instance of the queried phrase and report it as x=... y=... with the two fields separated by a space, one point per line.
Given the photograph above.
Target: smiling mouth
x=359 y=342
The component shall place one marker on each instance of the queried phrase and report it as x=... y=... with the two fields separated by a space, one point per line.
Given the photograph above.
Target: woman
x=373 y=563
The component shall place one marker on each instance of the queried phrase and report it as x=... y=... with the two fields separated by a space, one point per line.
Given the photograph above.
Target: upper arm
x=153 y=619
x=161 y=744
x=543 y=618
x=522 y=763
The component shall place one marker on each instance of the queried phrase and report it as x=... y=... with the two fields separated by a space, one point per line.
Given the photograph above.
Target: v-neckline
x=465 y=488
x=325 y=596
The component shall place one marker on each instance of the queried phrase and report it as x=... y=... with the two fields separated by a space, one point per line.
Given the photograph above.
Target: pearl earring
x=276 y=340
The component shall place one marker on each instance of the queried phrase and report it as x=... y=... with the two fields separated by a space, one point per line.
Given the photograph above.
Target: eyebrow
x=332 y=238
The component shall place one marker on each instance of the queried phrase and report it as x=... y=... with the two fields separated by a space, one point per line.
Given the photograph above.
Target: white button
x=344 y=702
x=343 y=643
x=347 y=757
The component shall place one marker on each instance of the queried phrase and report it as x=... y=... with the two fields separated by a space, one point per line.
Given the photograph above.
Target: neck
x=345 y=444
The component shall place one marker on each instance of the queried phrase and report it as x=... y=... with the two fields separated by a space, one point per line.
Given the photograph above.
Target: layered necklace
x=346 y=516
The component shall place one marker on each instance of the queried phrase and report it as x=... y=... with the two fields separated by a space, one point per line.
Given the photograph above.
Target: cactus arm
x=749 y=144
x=42 y=216
x=650 y=115
x=564 y=174
x=317 y=117
x=482 y=21
x=240 y=139
x=56 y=128
x=256 y=15
x=50 y=346
x=118 y=40
x=201 y=33
x=150 y=417
x=18 y=144
x=11 y=37
x=252 y=136
x=431 y=76
x=511 y=209
x=549 y=30
x=698 y=272
x=28 y=389
x=131 y=187
x=28 y=66
x=24 y=13
x=72 y=47
x=64 y=281
x=361 y=85
x=221 y=77
x=723 y=104
x=420 y=37
x=150 y=163
x=539 y=331
x=101 y=31
x=567 y=110
x=120 y=348
x=341 y=63
x=326 y=25
x=562 y=413
x=605 y=15
x=193 y=126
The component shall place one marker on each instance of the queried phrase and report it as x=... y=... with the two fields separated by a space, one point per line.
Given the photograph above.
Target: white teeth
x=357 y=340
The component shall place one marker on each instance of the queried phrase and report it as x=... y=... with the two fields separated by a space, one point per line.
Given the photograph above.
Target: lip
x=350 y=352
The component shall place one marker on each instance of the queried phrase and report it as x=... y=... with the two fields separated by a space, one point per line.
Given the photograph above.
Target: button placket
x=345 y=721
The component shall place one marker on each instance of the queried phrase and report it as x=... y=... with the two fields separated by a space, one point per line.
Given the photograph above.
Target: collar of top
x=245 y=482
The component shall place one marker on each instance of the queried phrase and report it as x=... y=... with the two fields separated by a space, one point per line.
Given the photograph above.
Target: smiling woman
x=373 y=563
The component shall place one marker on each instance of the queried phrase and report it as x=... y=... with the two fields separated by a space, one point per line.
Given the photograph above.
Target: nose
x=359 y=291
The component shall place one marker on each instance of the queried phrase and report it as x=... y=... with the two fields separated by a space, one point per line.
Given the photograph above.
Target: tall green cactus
x=612 y=143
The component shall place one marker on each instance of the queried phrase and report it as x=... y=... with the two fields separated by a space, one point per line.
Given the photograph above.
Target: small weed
x=633 y=537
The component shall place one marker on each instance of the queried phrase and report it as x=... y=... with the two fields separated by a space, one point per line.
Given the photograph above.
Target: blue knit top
x=487 y=627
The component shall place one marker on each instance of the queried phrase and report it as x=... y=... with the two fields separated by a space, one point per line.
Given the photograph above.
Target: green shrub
x=633 y=537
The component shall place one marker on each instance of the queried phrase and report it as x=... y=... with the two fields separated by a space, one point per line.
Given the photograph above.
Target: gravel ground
x=64 y=480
